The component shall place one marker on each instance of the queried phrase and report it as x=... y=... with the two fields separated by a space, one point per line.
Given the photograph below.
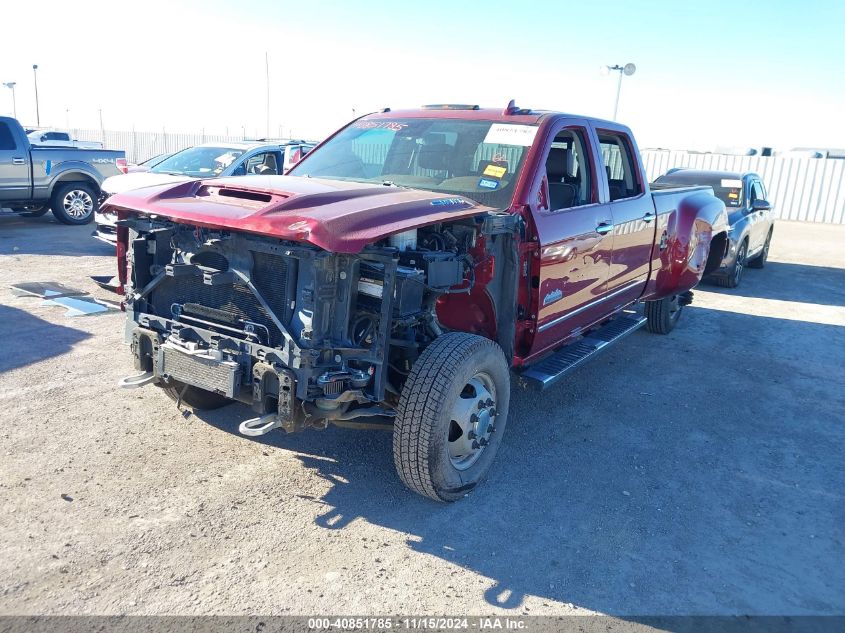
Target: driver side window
x=757 y=192
x=568 y=171
x=261 y=164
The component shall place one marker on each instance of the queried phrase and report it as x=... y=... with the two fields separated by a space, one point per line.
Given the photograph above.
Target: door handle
x=648 y=217
x=604 y=228
x=18 y=161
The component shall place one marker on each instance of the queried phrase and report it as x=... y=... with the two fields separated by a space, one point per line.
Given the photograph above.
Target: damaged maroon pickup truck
x=404 y=271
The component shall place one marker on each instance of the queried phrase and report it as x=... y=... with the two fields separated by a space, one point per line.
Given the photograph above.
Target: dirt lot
x=702 y=472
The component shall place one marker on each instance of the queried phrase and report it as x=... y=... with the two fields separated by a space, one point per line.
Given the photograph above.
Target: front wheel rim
x=674 y=308
x=740 y=264
x=78 y=204
x=472 y=421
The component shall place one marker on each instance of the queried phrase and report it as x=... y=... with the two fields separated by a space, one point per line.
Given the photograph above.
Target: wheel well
x=718 y=250
x=72 y=177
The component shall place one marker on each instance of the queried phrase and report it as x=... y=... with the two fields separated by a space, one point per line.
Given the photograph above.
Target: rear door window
x=620 y=166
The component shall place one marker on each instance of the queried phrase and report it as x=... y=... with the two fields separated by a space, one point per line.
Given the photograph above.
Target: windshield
x=477 y=159
x=198 y=161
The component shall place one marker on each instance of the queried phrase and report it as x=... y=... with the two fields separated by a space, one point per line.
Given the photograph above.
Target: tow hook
x=685 y=298
x=255 y=427
x=138 y=380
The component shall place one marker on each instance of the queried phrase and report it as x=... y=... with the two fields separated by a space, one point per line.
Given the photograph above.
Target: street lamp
x=11 y=86
x=37 y=111
x=627 y=69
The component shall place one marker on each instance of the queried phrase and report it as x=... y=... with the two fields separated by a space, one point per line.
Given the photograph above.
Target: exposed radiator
x=231 y=305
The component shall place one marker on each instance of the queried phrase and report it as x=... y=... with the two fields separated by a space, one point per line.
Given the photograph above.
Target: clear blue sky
x=709 y=73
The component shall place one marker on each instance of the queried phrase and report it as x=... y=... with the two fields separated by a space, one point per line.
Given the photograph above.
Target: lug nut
x=475 y=445
x=473 y=418
x=493 y=411
x=482 y=442
x=480 y=405
x=472 y=435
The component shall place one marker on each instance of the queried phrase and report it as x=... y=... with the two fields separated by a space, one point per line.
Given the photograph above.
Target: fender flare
x=73 y=171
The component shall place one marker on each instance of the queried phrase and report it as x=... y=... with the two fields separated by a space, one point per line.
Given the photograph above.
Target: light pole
x=11 y=86
x=627 y=69
x=37 y=111
x=267 y=78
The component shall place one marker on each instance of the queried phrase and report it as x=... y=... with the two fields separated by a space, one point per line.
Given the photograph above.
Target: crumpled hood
x=338 y=216
x=136 y=180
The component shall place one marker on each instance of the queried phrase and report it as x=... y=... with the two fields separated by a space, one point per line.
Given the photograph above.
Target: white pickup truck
x=57 y=138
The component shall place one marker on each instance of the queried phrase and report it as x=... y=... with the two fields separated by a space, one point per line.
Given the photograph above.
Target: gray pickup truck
x=66 y=180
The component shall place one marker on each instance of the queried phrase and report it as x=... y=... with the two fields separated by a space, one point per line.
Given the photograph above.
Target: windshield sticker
x=225 y=159
x=379 y=125
x=507 y=134
x=731 y=184
x=495 y=171
x=486 y=183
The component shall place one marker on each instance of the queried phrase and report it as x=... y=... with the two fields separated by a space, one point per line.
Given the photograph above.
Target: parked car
x=56 y=138
x=147 y=165
x=400 y=272
x=209 y=160
x=750 y=214
x=35 y=179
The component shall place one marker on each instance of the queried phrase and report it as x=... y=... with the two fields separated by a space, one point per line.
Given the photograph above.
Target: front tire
x=451 y=416
x=194 y=397
x=662 y=315
x=74 y=203
x=734 y=276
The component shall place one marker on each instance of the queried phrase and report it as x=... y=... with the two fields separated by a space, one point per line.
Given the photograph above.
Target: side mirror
x=240 y=170
x=760 y=205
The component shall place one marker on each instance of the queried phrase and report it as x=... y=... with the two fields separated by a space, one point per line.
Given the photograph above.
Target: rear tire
x=763 y=257
x=74 y=203
x=194 y=397
x=734 y=276
x=662 y=315
x=451 y=416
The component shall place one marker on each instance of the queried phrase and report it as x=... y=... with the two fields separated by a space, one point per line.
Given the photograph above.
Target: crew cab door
x=633 y=216
x=575 y=238
x=757 y=219
x=14 y=167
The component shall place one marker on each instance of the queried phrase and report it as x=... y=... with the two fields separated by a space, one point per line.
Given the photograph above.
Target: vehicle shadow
x=790 y=282
x=26 y=338
x=641 y=497
x=39 y=236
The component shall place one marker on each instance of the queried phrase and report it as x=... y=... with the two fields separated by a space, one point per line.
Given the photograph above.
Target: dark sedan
x=749 y=212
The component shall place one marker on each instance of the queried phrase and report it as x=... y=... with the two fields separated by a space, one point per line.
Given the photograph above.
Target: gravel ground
x=701 y=472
